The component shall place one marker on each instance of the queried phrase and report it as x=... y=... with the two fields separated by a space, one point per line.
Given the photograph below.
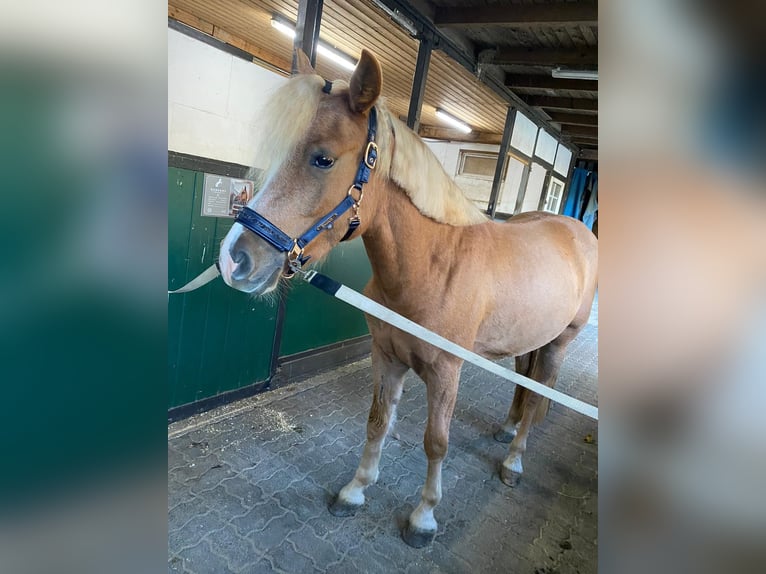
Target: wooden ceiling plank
x=190 y=20
x=440 y=133
x=352 y=19
x=442 y=85
x=518 y=15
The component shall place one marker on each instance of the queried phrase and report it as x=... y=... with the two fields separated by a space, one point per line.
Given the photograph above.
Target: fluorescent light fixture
x=286 y=29
x=566 y=74
x=453 y=121
x=330 y=53
x=398 y=17
x=337 y=57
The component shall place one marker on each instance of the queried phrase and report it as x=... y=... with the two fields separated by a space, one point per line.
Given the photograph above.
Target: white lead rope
x=202 y=279
x=370 y=307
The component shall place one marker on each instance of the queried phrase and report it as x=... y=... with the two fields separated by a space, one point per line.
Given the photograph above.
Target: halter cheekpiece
x=294 y=247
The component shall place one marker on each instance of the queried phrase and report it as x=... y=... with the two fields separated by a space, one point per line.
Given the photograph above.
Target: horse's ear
x=302 y=63
x=364 y=87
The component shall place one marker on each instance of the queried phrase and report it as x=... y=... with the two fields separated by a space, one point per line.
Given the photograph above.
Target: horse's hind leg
x=509 y=428
x=544 y=368
x=388 y=376
x=441 y=385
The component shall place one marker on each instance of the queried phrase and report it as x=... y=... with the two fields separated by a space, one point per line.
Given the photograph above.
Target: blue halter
x=294 y=247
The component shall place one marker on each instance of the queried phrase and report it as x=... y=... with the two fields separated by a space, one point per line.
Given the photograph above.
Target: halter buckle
x=371 y=154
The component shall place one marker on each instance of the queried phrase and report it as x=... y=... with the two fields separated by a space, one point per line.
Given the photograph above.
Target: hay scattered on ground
x=270 y=419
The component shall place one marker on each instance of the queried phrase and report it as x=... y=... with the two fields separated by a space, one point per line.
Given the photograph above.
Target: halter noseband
x=294 y=247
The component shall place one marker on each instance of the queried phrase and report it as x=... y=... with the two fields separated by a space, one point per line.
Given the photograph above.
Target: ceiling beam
x=588 y=154
x=439 y=133
x=462 y=57
x=546 y=57
x=574 y=119
x=585 y=143
x=583 y=131
x=549 y=83
x=586 y=139
x=548 y=102
x=519 y=15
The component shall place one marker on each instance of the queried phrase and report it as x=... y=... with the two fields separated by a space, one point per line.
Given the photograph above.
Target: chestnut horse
x=521 y=288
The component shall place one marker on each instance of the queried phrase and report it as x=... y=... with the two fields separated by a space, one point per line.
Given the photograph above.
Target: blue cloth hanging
x=573 y=206
x=589 y=217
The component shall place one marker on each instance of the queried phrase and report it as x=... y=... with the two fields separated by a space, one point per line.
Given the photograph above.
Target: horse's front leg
x=441 y=383
x=388 y=376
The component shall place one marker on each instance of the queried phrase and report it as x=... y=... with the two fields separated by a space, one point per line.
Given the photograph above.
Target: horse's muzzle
x=248 y=264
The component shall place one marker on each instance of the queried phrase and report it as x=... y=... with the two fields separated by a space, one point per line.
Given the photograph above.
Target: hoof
x=417 y=538
x=509 y=477
x=504 y=436
x=340 y=508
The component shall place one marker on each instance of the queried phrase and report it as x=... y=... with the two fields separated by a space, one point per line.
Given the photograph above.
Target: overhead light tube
x=565 y=74
x=281 y=26
x=453 y=121
x=330 y=53
x=337 y=57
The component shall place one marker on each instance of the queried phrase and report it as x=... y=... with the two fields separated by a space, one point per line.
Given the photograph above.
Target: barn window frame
x=465 y=154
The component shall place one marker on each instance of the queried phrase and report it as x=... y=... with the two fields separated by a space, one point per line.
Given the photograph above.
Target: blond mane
x=284 y=121
x=403 y=157
x=415 y=168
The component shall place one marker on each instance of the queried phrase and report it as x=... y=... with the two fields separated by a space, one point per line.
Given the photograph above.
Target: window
x=524 y=134
x=478 y=164
x=553 y=197
x=546 y=147
x=563 y=157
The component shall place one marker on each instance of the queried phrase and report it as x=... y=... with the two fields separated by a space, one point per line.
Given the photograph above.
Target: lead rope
x=366 y=305
x=202 y=279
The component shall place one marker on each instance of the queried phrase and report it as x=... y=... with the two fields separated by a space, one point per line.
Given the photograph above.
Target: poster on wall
x=225 y=196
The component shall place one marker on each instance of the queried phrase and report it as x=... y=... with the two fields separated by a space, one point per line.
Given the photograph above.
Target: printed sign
x=225 y=196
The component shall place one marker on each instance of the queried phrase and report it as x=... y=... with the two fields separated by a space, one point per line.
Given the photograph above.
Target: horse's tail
x=524 y=364
x=520 y=396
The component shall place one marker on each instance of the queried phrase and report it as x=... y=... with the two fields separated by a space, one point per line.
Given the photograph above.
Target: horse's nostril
x=244 y=264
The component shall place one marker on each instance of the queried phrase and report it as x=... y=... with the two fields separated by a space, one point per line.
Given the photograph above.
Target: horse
x=521 y=288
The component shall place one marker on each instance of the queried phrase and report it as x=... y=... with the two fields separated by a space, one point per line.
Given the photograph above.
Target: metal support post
x=307 y=29
x=419 y=81
x=502 y=160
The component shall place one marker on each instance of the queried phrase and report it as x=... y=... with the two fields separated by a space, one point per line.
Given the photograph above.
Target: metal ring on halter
x=294 y=260
x=361 y=195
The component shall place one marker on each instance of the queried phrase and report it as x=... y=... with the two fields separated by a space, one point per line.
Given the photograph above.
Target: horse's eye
x=322 y=161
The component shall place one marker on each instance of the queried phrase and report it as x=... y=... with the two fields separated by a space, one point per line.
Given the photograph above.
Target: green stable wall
x=314 y=319
x=220 y=339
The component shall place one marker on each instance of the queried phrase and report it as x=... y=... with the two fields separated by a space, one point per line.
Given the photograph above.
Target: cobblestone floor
x=249 y=483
